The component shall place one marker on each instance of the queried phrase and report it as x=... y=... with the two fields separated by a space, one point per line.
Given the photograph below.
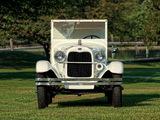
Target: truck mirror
x=114 y=50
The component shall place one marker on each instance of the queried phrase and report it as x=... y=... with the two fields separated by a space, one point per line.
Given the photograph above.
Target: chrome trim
x=81 y=62
x=68 y=81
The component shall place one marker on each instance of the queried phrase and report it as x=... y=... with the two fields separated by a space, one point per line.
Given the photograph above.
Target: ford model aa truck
x=78 y=63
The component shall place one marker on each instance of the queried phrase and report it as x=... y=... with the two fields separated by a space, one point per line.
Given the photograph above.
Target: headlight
x=99 y=56
x=60 y=56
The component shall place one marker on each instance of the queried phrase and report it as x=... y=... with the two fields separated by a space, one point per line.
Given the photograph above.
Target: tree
x=112 y=10
x=31 y=19
x=144 y=23
x=156 y=19
x=26 y=21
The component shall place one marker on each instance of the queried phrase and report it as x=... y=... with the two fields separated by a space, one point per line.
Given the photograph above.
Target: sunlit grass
x=18 y=100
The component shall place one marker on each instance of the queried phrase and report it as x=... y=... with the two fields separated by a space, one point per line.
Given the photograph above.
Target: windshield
x=78 y=30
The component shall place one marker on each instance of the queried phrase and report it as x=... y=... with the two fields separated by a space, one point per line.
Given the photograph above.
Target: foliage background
x=27 y=22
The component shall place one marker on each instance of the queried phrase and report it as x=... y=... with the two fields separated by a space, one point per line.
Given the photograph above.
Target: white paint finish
x=66 y=35
x=43 y=66
x=116 y=67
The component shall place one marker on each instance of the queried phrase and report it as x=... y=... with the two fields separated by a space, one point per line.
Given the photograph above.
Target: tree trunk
x=11 y=43
x=147 y=52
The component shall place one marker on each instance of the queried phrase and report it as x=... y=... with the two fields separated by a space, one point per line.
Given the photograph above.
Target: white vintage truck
x=78 y=63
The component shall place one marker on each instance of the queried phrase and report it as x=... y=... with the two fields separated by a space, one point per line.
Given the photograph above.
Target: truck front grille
x=79 y=69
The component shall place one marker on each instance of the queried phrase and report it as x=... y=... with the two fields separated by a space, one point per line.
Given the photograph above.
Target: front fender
x=116 y=67
x=43 y=66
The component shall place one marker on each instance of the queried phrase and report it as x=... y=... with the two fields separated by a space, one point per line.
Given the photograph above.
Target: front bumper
x=69 y=81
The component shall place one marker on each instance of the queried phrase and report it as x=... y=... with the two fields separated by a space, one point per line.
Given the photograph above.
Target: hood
x=94 y=47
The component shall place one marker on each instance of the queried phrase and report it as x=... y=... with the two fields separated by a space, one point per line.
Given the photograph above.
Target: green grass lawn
x=18 y=100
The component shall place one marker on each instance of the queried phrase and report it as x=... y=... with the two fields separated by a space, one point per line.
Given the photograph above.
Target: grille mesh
x=79 y=69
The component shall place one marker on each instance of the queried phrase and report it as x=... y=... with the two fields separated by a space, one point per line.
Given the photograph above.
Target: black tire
x=42 y=97
x=117 y=96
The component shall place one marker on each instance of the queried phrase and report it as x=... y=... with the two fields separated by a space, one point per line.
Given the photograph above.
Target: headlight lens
x=59 y=56
x=99 y=56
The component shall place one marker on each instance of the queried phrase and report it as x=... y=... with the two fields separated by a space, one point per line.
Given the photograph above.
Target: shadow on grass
x=155 y=72
x=102 y=101
x=128 y=101
x=138 y=99
x=137 y=75
x=19 y=58
x=140 y=80
x=32 y=75
x=17 y=75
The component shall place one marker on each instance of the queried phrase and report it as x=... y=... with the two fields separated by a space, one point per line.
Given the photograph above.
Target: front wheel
x=42 y=97
x=117 y=96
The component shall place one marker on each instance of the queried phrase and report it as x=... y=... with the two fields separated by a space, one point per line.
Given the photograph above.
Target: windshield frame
x=78 y=29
